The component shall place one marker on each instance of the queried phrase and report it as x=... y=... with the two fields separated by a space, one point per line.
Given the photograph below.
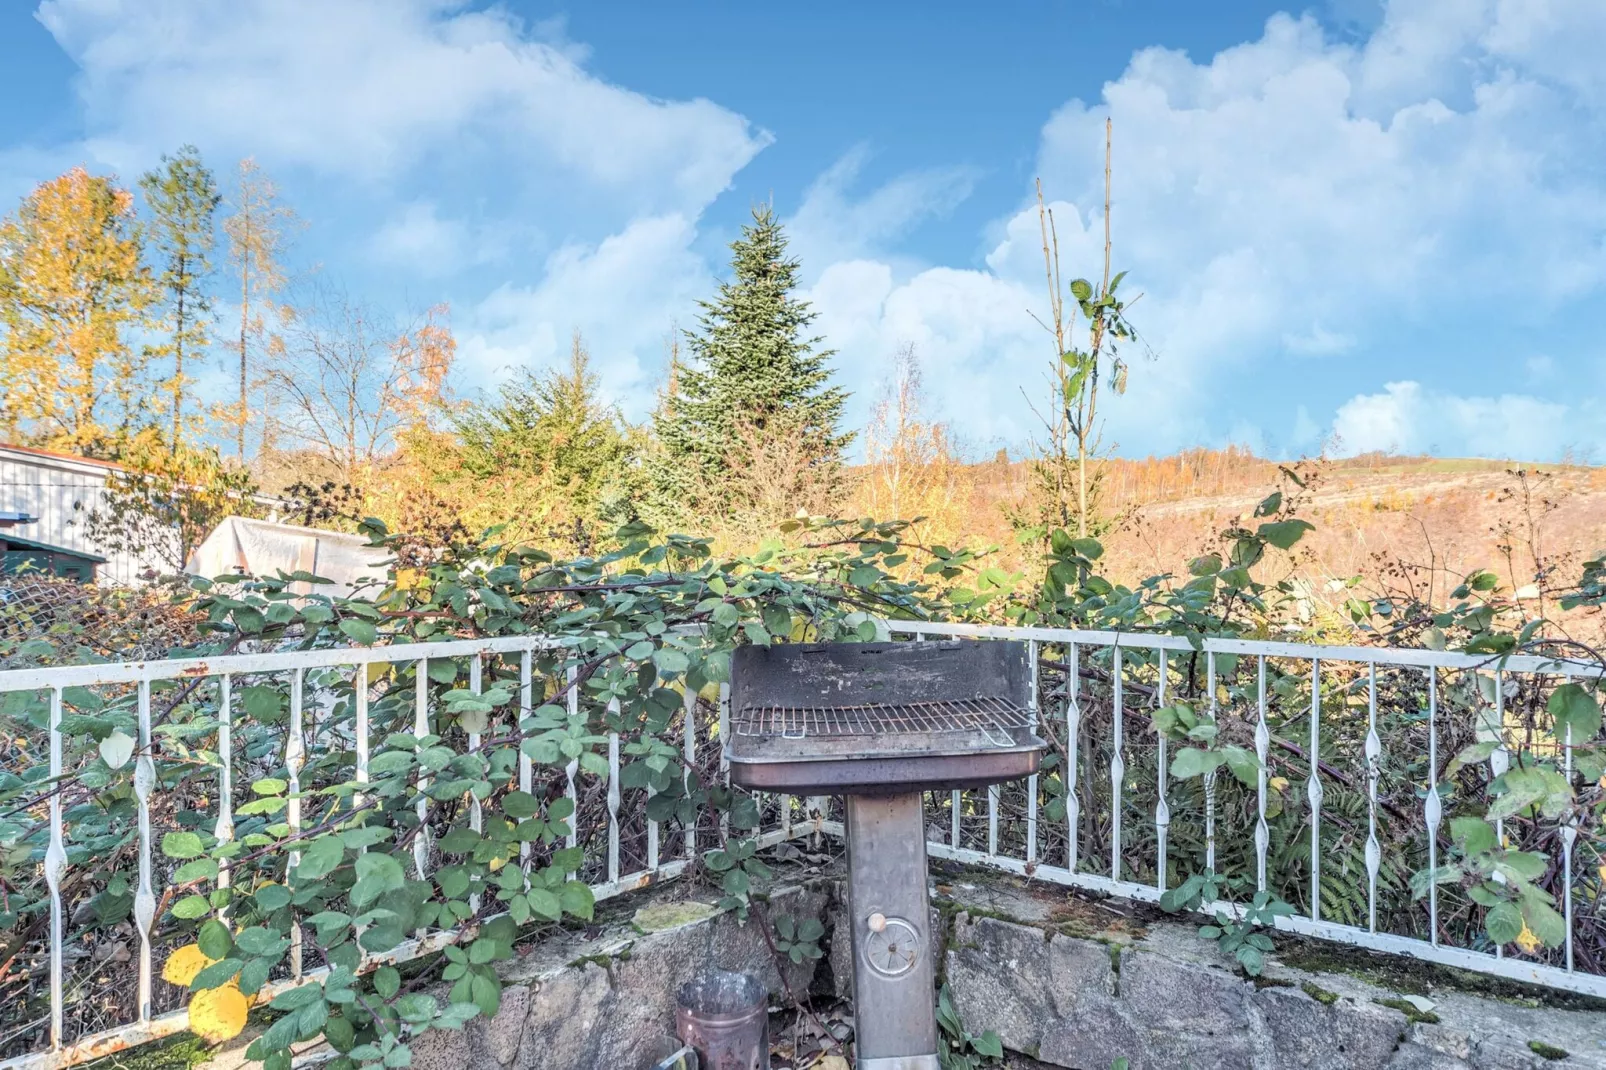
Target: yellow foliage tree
x=71 y=284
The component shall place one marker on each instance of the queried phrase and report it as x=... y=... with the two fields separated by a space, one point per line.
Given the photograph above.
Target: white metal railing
x=1002 y=831
x=1361 y=665
x=225 y=671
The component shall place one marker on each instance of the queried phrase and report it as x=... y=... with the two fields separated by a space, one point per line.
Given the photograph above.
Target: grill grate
x=993 y=717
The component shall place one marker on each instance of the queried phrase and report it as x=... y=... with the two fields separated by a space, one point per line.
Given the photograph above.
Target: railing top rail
x=1408 y=656
x=275 y=661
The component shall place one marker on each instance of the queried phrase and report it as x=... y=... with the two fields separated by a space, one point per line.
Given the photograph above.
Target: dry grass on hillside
x=1436 y=517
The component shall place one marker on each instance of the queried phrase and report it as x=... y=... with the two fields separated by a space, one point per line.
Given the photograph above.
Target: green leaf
x=191 y=907
x=1574 y=708
x=297 y=998
x=320 y=857
x=219 y=973
x=182 y=845
x=360 y=631
x=416 y=1007
x=670 y=660
x=1474 y=834
x=1503 y=923
x=577 y=900
x=545 y=904
x=376 y=874
x=1191 y=762
x=1243 y=765
x=1283 y=534
x=1543 y=920
x=272 y=897
x=214 y=940
x=257 y=941
x=199 y=870
x=989 y=1045
x=387 y=982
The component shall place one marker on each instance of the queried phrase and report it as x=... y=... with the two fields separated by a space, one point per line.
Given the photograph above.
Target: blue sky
x=1370 y=224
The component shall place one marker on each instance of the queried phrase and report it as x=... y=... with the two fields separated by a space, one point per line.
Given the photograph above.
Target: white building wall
x=61 y=492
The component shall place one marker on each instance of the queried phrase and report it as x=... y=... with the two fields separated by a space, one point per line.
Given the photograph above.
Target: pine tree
x=183 y=198
x=562 y=454
x=71 y=285
x=753 y=374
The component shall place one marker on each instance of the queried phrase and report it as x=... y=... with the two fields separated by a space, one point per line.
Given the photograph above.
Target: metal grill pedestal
x=893 y=951
x=880 y=723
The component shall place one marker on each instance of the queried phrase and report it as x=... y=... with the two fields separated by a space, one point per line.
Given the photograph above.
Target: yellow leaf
x=1527 y=940
x=184 y=963
x=219 y=1013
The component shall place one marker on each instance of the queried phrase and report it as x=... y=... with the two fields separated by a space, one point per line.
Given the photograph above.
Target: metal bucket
x=725 y=1016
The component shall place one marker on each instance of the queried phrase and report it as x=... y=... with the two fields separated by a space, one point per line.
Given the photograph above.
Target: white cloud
x=830 y=225
x=421 y=241
x=369 y=88
x=647 y=269
x=1408 y=418
x=1318 y=342
x=1300 y=194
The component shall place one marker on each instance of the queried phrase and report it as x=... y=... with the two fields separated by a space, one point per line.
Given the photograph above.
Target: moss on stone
x=660 y=917
x=181 y=1052
x=1412 y=1012
x=1548 y=1051
x=1415 y=977
x=1318 y=993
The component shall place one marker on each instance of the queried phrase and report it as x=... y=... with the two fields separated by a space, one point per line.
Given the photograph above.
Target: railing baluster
x=724 y=762
x=1313 y=790
x=1374 y=764
x=1262 y=777
x=955 y=800
x=476 y=813
x=1117 y=774
x=295 y=755
x=359 y=691
x=145 y=897
x=689 y=730
x=1162 y=809
x=420 y=730
x=55 y=866
x=1569 y=836
x=526 y=765
x=1031 y=781
x=613 y=794
x=1210 y=775
x=1499 y=765
x=225 y=776
x=1073 y=738
x=573 y=767
x=1431 y=808
x=224 y=829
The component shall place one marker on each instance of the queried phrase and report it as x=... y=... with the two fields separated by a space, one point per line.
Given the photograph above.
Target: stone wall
x=1070 y=994
x=1065 y=982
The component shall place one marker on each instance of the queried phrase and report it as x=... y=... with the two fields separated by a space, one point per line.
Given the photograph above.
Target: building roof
x=11 y=540
x=52 y=455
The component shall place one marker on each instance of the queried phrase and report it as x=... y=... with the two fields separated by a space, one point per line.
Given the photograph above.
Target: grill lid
x=862 y=701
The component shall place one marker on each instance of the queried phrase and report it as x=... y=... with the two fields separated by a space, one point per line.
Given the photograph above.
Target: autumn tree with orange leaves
x=72 y=287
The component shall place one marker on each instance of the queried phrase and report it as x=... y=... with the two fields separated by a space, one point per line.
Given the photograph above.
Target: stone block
x=1301 y=1031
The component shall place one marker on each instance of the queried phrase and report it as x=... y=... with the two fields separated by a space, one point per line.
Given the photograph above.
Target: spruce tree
x=753 y=371
x=183 y=199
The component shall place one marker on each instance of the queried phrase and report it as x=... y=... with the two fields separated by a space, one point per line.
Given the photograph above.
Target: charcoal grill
x=880 y=723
